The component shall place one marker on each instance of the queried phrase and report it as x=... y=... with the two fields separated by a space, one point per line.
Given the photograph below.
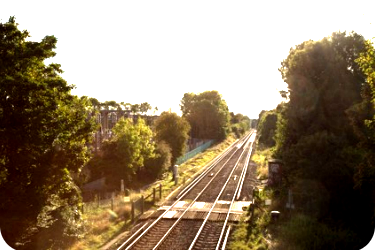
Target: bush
x=305 y=232
x=155 y=167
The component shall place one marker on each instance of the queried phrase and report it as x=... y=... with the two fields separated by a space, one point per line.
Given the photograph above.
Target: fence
x=136 y=206
x=194 y=152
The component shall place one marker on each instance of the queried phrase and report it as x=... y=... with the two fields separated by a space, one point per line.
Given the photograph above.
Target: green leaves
x=207 y=114
x=267 y=128
x=125 y=153
x=314 y=130
x=174 y=131
x=44 y=131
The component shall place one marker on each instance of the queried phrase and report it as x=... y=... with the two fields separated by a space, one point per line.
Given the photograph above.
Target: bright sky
x=155 y=51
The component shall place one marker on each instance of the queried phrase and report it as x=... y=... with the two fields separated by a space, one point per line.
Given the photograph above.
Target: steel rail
x=192 y=203
x=234 y=197
x=226 y=238
x=208 y=169
x=217 y=199
x=211 y=167
x=133 y=235
x=247 y=163
x=165 y=212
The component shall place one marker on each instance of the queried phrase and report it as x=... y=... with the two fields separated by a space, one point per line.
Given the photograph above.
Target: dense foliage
x=124 y=154
x=43 y=135
x=207 y=114
x=174 y=131
x=364 y=125
x=267 y=128
x=318 y=130
x=156 y=166
x=239 y=124
x=142 y=108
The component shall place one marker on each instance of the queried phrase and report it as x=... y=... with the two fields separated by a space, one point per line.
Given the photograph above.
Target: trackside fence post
x=132 y=211
x=153 y=195
x=159 y=191
x=142 y=204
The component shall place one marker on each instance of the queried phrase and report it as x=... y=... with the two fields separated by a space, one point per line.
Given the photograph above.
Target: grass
x=261 y=157
x=102 y=225
x=299 y=228
x=252 y=230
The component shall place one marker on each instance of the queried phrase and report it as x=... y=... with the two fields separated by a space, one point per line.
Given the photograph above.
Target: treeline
x=45 y=137
x=139 y=153
x=142 y=108
x=324 y=134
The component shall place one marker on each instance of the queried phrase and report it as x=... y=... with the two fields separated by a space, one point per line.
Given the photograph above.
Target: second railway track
x=199 y=216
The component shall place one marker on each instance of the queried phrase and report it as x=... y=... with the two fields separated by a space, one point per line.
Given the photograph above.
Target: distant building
x=107 y=120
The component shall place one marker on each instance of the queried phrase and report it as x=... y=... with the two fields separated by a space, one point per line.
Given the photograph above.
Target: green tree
x=135 y=108
x=239 y=124
x=156 y=166
x=315 y=134
x=125 y=153
x=267 y=128
x=207 y=114
x=144 y=107
x=43 y=135
x=174 y=131
x=363 y=120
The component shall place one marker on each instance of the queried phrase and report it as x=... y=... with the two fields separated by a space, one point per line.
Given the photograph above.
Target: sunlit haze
x=155 y=51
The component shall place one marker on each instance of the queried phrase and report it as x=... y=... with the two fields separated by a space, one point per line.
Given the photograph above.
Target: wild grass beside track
x=103 y=225
x=295 y=229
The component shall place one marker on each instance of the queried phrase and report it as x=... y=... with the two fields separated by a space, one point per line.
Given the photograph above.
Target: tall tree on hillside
x=43 y=135
x=316 y=139
x=173 y=130
x=207 y=114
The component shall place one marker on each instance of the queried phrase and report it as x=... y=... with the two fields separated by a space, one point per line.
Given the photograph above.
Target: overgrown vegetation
x=102 y=225
x=207 y=114
x=261 y=157
x=43 y=135
x=324 y=135
x=316 y=137
x=251 y=232
x=174 y=131
x=239 y=124
x=267 y=128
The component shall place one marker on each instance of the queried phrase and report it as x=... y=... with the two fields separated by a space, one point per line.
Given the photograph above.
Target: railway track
x=199 y=216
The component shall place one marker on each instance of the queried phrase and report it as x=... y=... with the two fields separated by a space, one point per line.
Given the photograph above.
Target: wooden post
x=153 y=195
x=159 y=191
x=142 y=204
x=83 y=204
x=132 y=211
x=112 y=204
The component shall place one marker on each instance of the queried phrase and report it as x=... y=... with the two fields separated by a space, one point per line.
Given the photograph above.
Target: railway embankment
x=285 y=217
x=209 y=200
x=105 y=228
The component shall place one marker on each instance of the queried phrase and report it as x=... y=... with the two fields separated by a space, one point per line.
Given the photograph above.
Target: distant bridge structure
x=107 y=118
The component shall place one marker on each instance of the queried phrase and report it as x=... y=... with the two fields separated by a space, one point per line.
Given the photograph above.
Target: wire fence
x=135 y=201
x=194 y=152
